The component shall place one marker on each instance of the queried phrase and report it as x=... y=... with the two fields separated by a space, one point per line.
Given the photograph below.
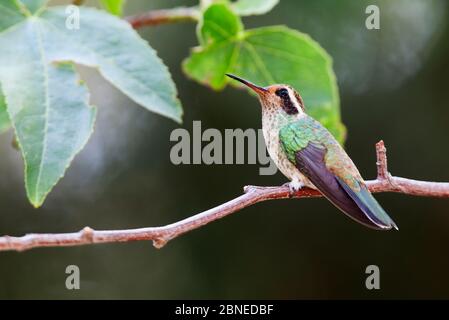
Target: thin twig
x=253 y=194
x=382 y=164
x=163 y=16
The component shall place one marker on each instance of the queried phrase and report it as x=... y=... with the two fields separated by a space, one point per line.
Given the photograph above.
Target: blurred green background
x=393 y=85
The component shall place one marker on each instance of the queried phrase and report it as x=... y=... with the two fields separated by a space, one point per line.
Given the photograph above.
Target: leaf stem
x=164 y=16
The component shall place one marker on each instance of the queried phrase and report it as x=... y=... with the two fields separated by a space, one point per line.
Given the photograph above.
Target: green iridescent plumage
x=297 y=135
x=305 y=133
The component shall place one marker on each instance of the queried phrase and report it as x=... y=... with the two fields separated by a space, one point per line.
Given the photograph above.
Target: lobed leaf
x=47 y=103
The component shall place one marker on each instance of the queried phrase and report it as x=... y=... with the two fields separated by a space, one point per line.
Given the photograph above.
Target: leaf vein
x=47 y=108
x=259 y=63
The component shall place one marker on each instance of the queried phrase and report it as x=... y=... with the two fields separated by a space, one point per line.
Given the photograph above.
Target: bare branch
x=382 y=164
x=163 y=16
x=252 y=194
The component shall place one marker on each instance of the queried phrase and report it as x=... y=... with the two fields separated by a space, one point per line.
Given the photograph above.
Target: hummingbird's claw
x=294 y=186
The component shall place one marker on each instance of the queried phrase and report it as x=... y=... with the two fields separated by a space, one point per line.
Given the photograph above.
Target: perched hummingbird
x=307 y=153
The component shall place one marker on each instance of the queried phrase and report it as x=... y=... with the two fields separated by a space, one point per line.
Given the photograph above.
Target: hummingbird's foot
x=294 y=186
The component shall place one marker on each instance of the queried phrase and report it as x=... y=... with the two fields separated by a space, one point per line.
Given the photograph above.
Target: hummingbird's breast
x=272 y=122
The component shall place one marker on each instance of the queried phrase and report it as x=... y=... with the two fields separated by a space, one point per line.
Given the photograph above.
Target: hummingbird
x=309 y=155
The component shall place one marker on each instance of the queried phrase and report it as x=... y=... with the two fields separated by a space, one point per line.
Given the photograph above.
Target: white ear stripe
x=295 y=101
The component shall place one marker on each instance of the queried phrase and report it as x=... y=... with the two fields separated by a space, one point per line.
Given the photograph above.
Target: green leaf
x=218 y=23
x=253 y=7
x=48 y=109
x=114 y=6
x=4 y=118
x=10 y=14
x=121 y=55
x=32 y=5
x=47 y=103
x=267 y=56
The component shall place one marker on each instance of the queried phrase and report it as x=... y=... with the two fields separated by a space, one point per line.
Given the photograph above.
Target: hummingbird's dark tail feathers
x=358 y=205
x=369 y=205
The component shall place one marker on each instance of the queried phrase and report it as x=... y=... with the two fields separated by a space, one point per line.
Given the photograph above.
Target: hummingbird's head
x=277 y=97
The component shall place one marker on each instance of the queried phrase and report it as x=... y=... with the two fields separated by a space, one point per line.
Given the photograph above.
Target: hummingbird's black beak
x=257 y=89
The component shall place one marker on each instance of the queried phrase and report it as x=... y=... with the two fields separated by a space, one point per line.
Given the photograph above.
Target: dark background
x=393 y=86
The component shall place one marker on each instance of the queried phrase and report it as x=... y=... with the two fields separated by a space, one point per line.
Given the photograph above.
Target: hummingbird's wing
x=318 y=156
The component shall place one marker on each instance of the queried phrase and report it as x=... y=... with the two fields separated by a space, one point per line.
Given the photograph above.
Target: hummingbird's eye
x=282 y=92
x=286 y=102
